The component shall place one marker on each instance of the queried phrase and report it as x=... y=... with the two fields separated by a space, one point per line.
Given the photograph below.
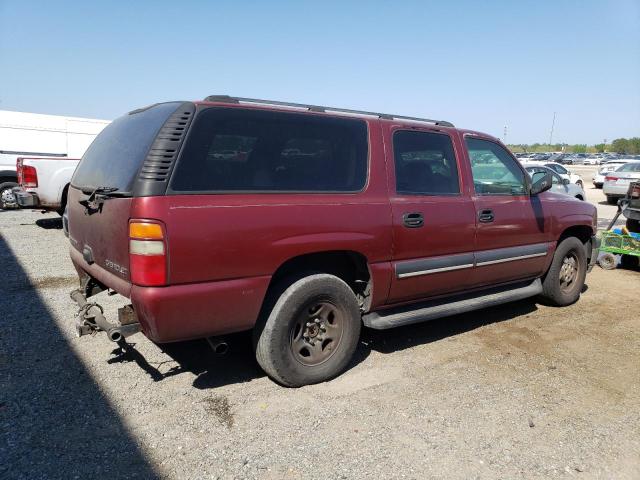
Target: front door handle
x=485 y=216
x=413 y=220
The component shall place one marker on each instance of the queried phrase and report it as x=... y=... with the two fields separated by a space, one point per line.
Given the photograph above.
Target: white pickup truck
x=43 y=182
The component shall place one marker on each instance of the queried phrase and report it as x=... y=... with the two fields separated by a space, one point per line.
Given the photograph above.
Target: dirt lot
x=520 y=391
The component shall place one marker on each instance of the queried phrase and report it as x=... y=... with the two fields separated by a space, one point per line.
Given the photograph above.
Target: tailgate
x=102 y=236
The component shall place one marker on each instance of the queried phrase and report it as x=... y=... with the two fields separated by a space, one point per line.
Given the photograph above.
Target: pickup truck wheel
x=7 y=198
x=612 y=200
x=564 y=280
x=311 y=333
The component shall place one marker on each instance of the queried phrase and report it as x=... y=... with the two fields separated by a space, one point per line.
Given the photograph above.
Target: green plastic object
x=620 y=244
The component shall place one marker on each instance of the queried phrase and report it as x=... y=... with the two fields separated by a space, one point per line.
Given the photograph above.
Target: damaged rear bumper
x=91 y=318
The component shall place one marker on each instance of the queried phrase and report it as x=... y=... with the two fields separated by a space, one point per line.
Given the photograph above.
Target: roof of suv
x=317 y=108
x=277 y=104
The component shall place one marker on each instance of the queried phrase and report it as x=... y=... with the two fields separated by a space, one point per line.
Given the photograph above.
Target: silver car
x=616 y=183
x=606 y=167
x=559 y=184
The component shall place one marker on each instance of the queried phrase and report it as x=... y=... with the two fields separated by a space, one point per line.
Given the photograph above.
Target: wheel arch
x=349 y=265
x=8 y=176
x=581 y=232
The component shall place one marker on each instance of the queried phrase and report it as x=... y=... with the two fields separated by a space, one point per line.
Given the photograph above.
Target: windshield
x=115 y=156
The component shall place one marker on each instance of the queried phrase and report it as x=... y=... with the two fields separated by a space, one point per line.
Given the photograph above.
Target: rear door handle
x=485 y=216
x=413 y=220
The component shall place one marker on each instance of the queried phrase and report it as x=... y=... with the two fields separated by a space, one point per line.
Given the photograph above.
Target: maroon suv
x=304 y=222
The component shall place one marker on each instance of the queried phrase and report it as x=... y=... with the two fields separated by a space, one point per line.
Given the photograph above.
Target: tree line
x=625 y=146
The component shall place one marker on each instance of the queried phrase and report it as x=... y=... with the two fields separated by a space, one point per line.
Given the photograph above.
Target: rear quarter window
x=232 y=150
x=115 y=156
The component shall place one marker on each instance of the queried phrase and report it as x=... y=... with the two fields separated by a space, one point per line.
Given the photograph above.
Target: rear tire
x=564 y=280
x=612 y=200
x=311 y=333
x=7 y=198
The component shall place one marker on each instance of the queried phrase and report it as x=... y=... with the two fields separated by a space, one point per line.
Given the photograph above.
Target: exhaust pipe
x=219 y=346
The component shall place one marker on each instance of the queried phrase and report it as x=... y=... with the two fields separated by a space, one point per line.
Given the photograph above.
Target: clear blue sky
x=479 y=64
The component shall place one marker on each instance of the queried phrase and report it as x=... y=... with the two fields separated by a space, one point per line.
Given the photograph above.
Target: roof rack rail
x=317 y=108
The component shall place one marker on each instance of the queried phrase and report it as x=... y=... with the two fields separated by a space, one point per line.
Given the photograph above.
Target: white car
x=616 y=183
x=43 y=182
x=609 y=166
x=559 y=184
x=560 y=170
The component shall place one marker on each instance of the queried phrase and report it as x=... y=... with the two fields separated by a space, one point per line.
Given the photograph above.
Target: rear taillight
x=610 y=179
x=27 y=175
x=147 y=253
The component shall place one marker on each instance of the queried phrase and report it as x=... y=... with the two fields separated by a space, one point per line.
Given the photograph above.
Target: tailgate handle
x=413 y=220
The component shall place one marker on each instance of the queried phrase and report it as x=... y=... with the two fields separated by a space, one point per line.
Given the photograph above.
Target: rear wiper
x=98 y=196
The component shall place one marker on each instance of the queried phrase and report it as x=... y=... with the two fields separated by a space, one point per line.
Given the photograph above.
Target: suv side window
x=495 y=172
x=425 y=163
x=236 y=150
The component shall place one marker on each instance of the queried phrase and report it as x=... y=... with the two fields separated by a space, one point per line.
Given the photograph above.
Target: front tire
x=7 y=198
x=564 y=280
x=311 y=333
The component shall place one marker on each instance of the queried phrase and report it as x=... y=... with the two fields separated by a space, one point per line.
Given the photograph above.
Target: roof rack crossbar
x=318 y=108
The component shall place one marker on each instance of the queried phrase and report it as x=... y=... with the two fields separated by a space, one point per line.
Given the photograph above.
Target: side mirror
x=566 y=181
x=542 y=185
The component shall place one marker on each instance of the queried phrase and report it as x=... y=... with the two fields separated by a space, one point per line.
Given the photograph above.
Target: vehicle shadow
x=56 y=422
x=239 y=364
x=50 y=223
x=401 y=338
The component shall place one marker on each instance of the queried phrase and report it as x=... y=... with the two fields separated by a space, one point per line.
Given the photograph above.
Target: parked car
x=593 y=159
x=560 y=170
x=390 y=225
x=616 y=183
x=608 y=166
x=560 y=184
x=43 y=183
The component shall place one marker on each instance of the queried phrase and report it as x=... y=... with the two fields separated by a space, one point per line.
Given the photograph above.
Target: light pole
x=553 y=123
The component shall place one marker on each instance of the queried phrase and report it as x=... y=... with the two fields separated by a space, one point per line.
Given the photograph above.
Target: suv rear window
x=115 y=156
x=231 y=149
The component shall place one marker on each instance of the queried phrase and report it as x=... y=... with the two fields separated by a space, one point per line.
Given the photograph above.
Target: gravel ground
x=519 y=391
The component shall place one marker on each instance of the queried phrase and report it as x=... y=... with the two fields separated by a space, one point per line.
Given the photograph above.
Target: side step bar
x=450 y=306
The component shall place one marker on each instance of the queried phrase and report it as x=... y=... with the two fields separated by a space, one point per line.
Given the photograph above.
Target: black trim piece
x=446 y=263
x=499 y=255
x=426 y=266
x=156 y=169
x=434 y=309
